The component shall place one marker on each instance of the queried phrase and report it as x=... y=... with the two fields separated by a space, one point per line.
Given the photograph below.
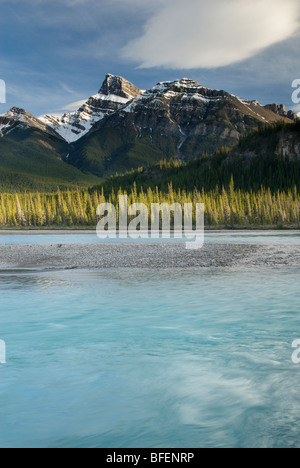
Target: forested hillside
x=267 y=157
x=255 y=185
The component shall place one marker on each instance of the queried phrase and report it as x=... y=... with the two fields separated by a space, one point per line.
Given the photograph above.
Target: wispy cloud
x=207 y=34
x=74 y=106
x=58 y=51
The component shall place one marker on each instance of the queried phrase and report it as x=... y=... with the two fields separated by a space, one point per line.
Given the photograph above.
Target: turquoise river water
x=138 y=358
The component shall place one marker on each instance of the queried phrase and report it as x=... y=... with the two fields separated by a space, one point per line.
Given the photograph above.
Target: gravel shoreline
x=141 y=255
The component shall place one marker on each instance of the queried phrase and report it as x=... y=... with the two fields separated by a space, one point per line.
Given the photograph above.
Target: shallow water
x=242 y=237
x=186 y=358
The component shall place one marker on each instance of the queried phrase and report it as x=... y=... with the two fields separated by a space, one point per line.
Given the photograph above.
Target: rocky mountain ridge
x=177 y=107
x=122 y=127
x=114 y=92
x=186 y=109
x=18 y=118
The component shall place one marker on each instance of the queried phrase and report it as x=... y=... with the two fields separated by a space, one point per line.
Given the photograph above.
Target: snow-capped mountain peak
x=118 y=86
x=182 y=108
x=114 y=93
x=17 y=118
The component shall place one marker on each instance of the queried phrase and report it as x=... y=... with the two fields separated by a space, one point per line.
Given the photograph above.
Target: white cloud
x=74 y=106
x=211 y=33
x=296 y=109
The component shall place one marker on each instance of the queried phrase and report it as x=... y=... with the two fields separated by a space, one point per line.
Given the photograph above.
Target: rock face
x=114 y=93
x=288 y=146
x=281 y=111
x=181 y=108
x=19 y=119
x=118 y=86
x=122 y=127
x=280 y=143
x=184 y=109
x=174 y=119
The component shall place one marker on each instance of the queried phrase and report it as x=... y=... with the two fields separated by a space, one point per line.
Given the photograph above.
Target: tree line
x=224 y=207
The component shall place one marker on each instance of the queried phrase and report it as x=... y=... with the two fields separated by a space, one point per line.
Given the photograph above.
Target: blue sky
x=57 y=52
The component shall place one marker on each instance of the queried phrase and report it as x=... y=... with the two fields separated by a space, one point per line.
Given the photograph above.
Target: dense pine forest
x=223 y=208
x=238 y=190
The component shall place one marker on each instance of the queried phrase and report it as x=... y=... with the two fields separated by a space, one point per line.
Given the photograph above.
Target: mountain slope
x=114 y=92
x=28 y=166
x=179 y=119
x=18 y=119
x=31 y=156
x=122 y=128
x=269 y=157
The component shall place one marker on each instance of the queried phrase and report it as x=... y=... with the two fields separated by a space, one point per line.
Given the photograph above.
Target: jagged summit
x=281 y=110
x=17 y=118
x=195 y=117
x=114 y=93
x=118 y=86
x=184 y=83
x=18 y=111
x=181 y=107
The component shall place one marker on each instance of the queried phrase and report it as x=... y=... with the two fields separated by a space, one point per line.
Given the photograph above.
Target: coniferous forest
x=223 y=208
x=238 y=191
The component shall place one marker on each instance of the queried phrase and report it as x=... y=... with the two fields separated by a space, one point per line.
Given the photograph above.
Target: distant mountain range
x=122 y=127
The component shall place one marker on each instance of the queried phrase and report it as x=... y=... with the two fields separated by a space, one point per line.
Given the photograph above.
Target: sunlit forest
x=223 y=207
x=263 y=191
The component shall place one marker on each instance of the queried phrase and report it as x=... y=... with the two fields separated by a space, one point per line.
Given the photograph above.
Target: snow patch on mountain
x=74 y=125
x=18 y=118
x=114 y=93
x=185 y=90
x=178 y=107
